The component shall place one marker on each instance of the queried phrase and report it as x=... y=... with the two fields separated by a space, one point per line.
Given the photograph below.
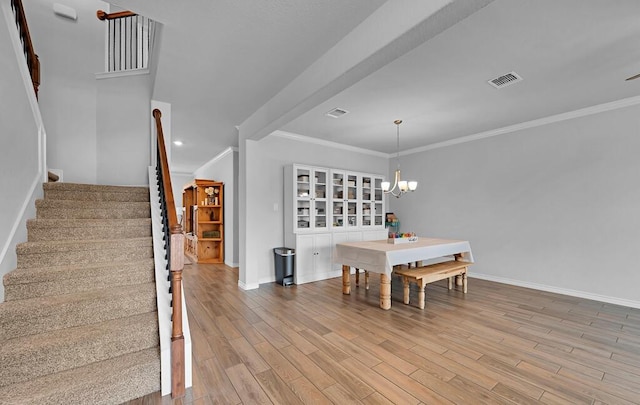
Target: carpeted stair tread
x=85 y=229
x=111 y=381
x=63 y=209
x=55 y=223
x=28 y=357
x=55 y=273
x=80 y=322
x=38 y=315
x=96 y=195
x=56 y=253
x=115 y=205
x=79 y=187
x=55 y=246
x=53 y=280
x=92 y=209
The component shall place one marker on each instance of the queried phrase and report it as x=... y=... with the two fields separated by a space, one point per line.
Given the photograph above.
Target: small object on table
x=399 y=237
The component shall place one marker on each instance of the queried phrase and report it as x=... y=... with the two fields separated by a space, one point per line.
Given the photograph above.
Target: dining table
x=380 y=256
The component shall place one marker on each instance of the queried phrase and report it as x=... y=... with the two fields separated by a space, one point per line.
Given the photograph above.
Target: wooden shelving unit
x=204 y=220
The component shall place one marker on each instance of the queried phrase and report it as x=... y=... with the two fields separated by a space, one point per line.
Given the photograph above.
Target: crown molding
x=583 y=112
x=218 y=157
x=322 y=142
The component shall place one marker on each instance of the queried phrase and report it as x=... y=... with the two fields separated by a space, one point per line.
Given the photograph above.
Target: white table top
x=379 y=256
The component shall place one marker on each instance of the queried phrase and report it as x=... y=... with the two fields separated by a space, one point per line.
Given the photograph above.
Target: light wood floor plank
x=218 y=385
x=338 y=394
x=307 y=392
x=278 y=362
x=308 y=368
x=350 y=381
x=312 y=344
x=277 y=390
x=421 y=385
x=382 y=385
x=247 y=386
x=250 y=357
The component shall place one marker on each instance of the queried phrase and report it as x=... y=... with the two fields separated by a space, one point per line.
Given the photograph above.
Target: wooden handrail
x=166 y=175
x=103 y=15
x=32 y=59
x=176 y=264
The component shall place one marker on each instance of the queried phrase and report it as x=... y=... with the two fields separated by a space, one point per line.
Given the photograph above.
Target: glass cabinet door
x=319 y=199
x=344 y=200
x=352 y=200
x=302 y=180
x=378 y=219
x=338 y=204
x=367 y=206
x=311 y=198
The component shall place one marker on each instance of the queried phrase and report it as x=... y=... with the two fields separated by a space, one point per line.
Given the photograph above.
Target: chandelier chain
x=399 y=187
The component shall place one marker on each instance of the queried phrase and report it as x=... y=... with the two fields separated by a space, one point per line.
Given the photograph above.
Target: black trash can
x=285 y=265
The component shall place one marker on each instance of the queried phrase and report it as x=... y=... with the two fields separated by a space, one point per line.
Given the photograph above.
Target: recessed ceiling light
x=177 y=143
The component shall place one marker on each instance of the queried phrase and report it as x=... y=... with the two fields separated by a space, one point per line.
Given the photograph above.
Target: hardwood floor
x=309 y=344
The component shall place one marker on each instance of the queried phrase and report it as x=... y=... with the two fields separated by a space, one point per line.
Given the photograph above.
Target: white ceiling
x=221 y=61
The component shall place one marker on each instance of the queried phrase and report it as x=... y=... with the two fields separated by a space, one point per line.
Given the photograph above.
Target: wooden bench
x=423 y=275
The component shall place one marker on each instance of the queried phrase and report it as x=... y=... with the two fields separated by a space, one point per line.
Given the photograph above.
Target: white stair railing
x=128 y=40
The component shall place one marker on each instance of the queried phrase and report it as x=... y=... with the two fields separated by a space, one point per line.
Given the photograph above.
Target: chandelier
x=399 y=186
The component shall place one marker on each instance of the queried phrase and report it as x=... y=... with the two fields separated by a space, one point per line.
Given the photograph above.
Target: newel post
x=177 y=338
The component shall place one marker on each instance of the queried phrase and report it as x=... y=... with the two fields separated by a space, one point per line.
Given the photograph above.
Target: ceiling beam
x=390 y=32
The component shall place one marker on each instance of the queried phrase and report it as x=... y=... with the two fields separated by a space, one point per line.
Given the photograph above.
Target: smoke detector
x=336 y=113
x=505 y=80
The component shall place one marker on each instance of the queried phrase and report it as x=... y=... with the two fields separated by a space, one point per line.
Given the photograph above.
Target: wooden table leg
x=421 y=293
x=385 y=291
x=464 y=283
x=346 y=280
x=357 y=277
x=405 y=286
x=458 y=257
x=366 y=280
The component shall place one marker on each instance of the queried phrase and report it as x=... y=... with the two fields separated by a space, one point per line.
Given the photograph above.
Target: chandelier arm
x=392 y=190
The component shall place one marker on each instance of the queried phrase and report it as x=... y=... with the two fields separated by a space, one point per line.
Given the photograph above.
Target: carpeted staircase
x=79 y=324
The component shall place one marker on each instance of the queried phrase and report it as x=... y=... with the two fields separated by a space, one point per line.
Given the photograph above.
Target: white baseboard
x=310 y=278
x=558 y=290
x=245 y=286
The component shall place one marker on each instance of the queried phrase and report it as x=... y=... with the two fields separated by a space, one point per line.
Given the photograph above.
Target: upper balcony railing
x=128 y=41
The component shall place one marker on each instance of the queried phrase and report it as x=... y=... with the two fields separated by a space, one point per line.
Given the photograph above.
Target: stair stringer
x=20 y=202
x=164 y=297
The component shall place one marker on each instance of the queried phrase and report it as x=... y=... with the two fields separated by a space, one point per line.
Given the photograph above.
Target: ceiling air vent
x=505 y=80
x=336 y=113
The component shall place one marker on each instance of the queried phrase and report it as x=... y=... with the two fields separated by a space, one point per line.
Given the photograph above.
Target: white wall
x=178 y=180
x=555 y=207
x=265 y=162
x=22 y=149
x=123 y=130
x=224 y=168
x=70 y=53
x=98 y=130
